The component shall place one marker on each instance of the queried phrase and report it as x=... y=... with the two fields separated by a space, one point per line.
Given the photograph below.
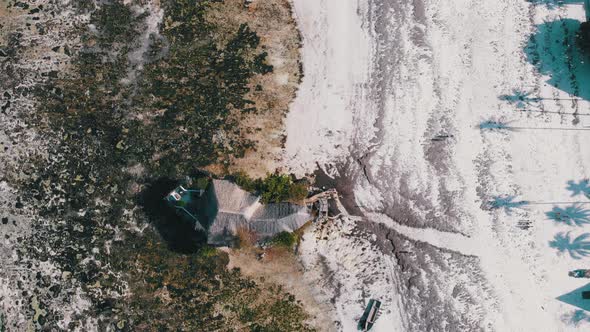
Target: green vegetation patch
x=198 y=293
x=198 y=83
x=169 y=116
x=114 y=22
x=284 y=239
x=275 y=188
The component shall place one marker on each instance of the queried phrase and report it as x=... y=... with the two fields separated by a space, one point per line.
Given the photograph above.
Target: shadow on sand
x=575 y=298
x=576 y=317
x=507 y=203
x=553 y=50
x=574 y=215
x=582 y=187
x=493 y=125
x=577 y=248
x=179 y=233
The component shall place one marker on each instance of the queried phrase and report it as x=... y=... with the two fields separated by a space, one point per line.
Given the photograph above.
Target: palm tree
x=583 y=187
x=577 y=248
x=571 y=215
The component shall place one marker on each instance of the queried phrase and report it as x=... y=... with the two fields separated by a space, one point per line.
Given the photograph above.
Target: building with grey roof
x=225 y=208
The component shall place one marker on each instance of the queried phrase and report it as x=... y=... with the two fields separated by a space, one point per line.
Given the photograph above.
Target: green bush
x=280 y=188
x=115 y=22
x=201 y=183
x=284 y=239
x=274 y=188
x=207 y=251
x=298 y=191
x=245 y=182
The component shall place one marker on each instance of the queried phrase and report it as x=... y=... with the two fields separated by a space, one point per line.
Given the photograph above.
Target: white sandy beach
x=384 y=79
x=336 y=57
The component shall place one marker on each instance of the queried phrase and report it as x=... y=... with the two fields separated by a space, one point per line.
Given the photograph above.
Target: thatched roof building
x=225 y=208
x=237 y=208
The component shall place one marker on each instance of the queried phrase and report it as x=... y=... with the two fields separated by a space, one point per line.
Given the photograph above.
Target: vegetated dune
x=270 y=93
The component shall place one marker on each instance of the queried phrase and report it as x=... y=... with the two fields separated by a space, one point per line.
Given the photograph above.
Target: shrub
x=284 y=239
x=275 y=188
x=115 y=22
x=280 y=188
x=243 y=180
x=207 y=251
x=298 y=191
x=201 y=183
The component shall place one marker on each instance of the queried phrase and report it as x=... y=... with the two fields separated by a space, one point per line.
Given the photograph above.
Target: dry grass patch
x=272 y=93
x=281 y=267
x=246 y=238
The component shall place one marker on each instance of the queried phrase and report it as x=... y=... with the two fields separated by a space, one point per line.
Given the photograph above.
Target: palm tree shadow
x=580 y=187
x=576 y=317
x=553 y=50
x=577 y=248
x=507 y=203
x=521 y=99
x=573 y=215
x=495 y=125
